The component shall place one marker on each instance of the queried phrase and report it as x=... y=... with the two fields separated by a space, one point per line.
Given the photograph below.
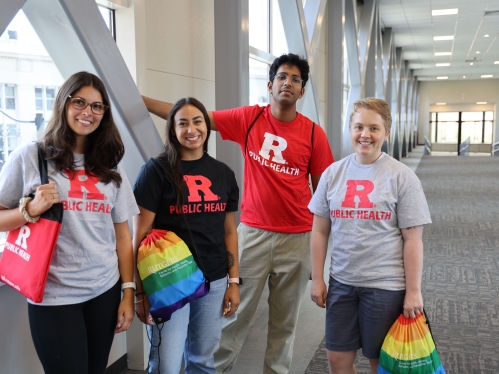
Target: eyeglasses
x=282 y=77
x=80 y=104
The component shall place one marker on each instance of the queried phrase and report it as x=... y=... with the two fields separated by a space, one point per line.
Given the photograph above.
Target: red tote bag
x=28 y=251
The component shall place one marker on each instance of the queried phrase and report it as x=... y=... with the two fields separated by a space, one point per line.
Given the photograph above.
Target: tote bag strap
x=42 y=164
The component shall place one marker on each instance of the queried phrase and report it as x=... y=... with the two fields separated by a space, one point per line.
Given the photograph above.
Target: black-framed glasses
x=80 y=104
x=282 y=77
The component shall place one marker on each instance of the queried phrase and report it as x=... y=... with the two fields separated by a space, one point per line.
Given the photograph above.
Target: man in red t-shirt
x=281 y=149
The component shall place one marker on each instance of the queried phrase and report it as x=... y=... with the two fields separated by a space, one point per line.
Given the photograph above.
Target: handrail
x=427 y=147
x=494 y=149
x=464 y=147
x=15 y=119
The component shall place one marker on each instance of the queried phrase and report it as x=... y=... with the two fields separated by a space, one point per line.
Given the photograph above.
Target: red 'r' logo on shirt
x=197 y=184
x=359 y=188
x=81 y=183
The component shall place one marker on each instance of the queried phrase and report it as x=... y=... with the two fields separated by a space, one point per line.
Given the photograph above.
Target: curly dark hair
x=171 y=152
x=104 y=149
x=290 y=59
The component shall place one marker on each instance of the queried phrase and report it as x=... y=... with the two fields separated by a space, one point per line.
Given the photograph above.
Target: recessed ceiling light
x=445 y=37
x=481 y=102
x=464 y=76
x=441 y=103
x=486 y=76
x=496 y=62
x=444 y=12
x=443 y=53
x=443 y=64
x=471 y=63
x=486 y=35
x=477 y=52
x=443 y=77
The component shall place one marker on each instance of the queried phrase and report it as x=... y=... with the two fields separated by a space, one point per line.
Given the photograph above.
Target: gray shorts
x=360 y=317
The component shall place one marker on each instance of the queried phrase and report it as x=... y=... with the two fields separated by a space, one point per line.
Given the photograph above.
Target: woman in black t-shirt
x=184 y=179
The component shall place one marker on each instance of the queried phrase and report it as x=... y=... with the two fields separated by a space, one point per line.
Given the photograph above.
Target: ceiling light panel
x=445 y=37
x=443 y=77
x=444 y=12
x=443 y=64
x=443 y=53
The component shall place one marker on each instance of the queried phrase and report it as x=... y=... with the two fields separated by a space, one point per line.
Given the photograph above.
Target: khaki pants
x=283 y=259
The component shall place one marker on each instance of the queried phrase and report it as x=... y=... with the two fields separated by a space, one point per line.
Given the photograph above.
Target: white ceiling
x=414 y=28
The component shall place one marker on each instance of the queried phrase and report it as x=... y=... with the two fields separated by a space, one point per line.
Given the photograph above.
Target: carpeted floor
x=461 y=271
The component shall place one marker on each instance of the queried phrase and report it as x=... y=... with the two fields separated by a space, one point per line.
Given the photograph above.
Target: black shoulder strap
x=249 y=128
x=42 y=164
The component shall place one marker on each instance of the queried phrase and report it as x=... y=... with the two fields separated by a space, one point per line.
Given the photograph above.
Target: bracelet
x=140 y=293
x=138 y=302
x=22 y=208
x=128 y=285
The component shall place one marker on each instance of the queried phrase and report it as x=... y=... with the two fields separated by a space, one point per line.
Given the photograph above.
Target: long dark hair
x=171 y=155
x=104 y=149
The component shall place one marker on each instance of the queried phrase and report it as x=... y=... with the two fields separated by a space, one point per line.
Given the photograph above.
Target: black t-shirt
x=211 y=191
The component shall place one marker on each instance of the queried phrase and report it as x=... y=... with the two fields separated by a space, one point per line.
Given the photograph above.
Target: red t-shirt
x=276 y=167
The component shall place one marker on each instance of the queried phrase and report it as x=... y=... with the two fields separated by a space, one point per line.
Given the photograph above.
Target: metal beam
x=9 y=10
x=336 y=23
x=231 y=73
x=76 y=37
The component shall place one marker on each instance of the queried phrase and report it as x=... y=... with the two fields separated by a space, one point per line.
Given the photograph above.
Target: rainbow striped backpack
x=170 y=276
x=409 y=348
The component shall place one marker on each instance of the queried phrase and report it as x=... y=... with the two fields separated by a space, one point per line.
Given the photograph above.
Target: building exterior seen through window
x=29 y=81
x=266 y=34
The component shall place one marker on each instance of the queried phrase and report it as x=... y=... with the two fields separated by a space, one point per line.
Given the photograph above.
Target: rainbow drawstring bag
x=170 y=276
x=409 y=348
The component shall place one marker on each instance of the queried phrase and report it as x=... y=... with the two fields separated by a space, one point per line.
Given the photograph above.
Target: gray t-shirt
x=367 y=206
x=85 y=263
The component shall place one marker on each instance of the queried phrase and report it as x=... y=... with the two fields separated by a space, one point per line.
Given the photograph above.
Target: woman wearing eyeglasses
x=74 y=326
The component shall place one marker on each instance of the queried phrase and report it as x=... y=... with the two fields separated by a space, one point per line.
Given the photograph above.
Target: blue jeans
x=193 y=331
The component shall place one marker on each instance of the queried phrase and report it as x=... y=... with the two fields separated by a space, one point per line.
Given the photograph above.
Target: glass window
x=39 y=98
x=487 y=133
x=473 y=130
x=108 y=16
x=489 y=116
x=12 y=34
x=471 y=116
x=447 y=132
x=10 y=97
x=433 y=116
x=259 y=73
x=50 y=94
x=448 y=116
x=259 y=24
x=279 y=44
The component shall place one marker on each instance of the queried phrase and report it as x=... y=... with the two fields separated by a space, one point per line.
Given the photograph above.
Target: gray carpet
x=461 y=267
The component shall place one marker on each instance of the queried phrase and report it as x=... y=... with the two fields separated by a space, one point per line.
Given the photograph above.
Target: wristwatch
x=238 y=280
x=128 y=285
